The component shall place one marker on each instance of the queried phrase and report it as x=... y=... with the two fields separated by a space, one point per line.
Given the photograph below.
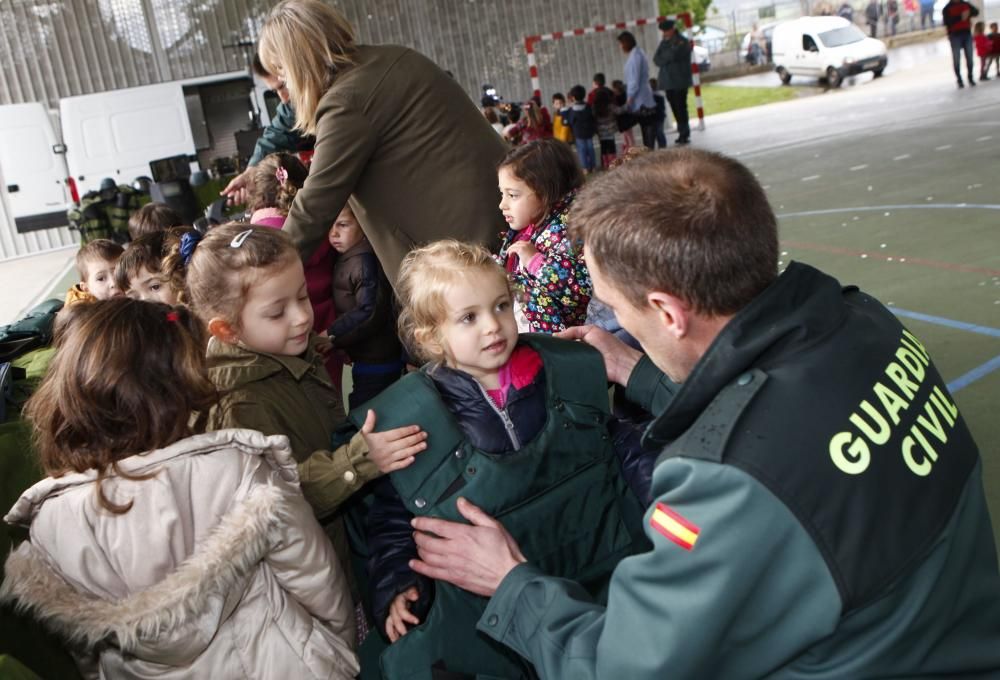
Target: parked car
x=825 y=47
x=756 y=56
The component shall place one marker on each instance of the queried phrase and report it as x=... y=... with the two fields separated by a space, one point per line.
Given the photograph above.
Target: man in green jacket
x=818 y=505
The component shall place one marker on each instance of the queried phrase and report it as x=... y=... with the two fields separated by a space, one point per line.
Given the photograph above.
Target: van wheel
x=878 y=72
x=785 y=76
x=833 y=77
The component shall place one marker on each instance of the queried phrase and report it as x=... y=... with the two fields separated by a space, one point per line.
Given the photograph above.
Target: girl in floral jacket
x=551 y=284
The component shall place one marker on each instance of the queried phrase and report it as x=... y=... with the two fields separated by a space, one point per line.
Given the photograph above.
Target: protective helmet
x=142 y=184
x=108 y=184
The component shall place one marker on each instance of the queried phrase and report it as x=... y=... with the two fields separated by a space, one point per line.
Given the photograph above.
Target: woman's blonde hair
x=276 y=180
x=228 y=262
x=305 y=43
x=425 y=276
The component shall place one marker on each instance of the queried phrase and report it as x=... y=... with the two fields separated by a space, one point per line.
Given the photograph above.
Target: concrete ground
x=26 y=281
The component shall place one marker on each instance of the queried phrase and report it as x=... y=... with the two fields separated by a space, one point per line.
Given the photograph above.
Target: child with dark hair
x=606 y=114
x=580 y=119
x=145 y=273
x=560 y=130
x=95 y=262
x=151 y=218
x=156 y=548
x=538 y=182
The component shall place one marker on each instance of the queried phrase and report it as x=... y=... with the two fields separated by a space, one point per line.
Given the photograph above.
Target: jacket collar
x=363 y=246
x=233 y=366
x=798 y=308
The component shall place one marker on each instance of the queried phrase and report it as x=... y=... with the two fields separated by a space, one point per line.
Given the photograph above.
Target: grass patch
x=719 y=98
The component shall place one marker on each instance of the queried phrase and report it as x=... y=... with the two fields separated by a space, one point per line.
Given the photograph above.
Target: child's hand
x=324 y=345
x=393 y=449
x=400 y=614
x=525 y=251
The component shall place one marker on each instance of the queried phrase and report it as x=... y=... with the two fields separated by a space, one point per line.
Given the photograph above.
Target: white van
x=45 y=167
x=825 y=47
x=32 y=168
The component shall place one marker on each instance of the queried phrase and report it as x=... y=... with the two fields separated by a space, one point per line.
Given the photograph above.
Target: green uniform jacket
x=409 y=148
x=813 y=556
x=280 y=135
x=293 y=396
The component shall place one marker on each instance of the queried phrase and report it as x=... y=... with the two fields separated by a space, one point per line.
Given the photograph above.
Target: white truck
x=47 y=162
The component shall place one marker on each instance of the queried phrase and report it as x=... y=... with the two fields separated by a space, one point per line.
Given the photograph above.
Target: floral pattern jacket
x=554 y=288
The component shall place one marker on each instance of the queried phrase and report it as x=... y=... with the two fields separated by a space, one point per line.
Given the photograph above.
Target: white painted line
x=984 y=138
x=810 y=178
x=901 y=158
x=943 y=147
x=858 y=167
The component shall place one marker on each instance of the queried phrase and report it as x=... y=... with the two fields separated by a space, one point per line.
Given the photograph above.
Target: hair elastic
x=173 y=316
x=281 y=174
x=189 y=240
x=240 y=238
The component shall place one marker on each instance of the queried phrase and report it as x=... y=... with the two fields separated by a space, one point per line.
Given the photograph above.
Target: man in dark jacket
x=673 y=56
x=957 y=15
x=788 y=406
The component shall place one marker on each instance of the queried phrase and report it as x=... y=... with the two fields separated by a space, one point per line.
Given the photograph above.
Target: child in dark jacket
x=518 y=423
x=365 y=326
x=580 y=119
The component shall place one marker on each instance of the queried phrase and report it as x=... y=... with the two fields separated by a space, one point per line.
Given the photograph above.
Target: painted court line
x=975 y=374
x=810 y=178
x=934 y=264
x=943 y=147
x=950 y=323
x=901 y=158
x=984 y=138
x=858 y=167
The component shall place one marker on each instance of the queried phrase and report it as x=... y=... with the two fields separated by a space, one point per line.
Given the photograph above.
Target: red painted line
x=578 y=31
x=640 y=22
x=533 y=70
x=934 y=264
x=620 y=24
x=556 y=35
x=599 y=28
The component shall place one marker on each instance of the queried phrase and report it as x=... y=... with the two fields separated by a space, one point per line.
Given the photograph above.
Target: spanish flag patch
x=674 y=527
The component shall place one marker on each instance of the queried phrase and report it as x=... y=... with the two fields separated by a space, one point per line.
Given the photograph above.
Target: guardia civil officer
x=818 y=505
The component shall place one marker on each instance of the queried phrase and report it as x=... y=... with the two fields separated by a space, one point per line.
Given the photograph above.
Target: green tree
x=697 y=8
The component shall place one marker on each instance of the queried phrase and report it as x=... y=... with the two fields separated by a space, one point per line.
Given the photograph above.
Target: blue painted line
x=974 y=375
x=950 y=323
x=905 y=206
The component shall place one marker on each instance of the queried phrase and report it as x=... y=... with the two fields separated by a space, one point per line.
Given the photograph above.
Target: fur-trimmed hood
x=219 y=566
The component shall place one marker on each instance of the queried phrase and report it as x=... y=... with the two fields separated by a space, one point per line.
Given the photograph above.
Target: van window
x=841 y=36
x=808 y=44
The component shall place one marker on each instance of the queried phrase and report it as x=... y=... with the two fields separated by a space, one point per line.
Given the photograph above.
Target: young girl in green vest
x=518 y=423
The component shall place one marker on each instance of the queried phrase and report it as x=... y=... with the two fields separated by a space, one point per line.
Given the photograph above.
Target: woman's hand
x=238 y=189
x=393 y=449
x=400 y=614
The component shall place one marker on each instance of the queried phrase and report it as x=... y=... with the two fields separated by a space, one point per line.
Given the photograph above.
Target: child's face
x=100 y=279
x=518 y=203
x=151 y=287
x=558 y=103
x=277 y=316
x=479 y=332
x=345 y=232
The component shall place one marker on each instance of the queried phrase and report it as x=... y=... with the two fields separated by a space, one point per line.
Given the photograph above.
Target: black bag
x=627 y=121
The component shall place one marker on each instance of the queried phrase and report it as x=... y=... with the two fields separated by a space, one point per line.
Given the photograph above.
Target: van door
x=811 y=61
x=116 y=133
x=32 y=168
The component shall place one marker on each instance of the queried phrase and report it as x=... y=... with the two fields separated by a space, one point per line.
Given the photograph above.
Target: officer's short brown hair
x=691 y=223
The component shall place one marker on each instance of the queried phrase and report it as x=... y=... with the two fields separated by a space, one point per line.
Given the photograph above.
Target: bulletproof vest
x=90 y=218
x=562 y=496
x=860 y=439
x=119 y=209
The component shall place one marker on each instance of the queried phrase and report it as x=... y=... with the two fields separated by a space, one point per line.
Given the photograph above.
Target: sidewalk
x=28 y=280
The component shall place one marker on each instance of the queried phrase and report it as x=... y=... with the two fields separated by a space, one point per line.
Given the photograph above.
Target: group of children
x=187 y=341
x=578 y=119
x=987 y=48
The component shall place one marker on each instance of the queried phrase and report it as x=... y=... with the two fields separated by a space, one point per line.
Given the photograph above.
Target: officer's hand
x=238 y=189
x=400 y=614
x=619 y=358
x=476 y=558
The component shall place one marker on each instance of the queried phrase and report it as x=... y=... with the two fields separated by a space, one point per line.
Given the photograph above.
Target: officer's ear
x=673 y=313
x=223 y=330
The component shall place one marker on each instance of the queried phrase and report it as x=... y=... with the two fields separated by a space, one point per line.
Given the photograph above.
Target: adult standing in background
x=639 y=98
x=673 y=56
x=396 y=137
x=957 y=15
x=926 y=12
x=279 y=135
